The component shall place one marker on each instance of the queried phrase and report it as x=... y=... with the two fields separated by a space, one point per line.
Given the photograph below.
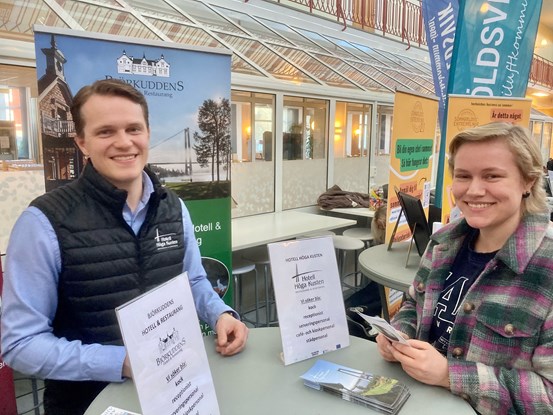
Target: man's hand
x=422 y=362
x=231 y=335
x=126 y=371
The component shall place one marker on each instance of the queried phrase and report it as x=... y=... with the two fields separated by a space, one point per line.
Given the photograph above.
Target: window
x=546 y=142
x=14 y=145
x=18 y=112
x=304 y=128
x=253 y=169
x=384 y=125
x=304 y=138
x=352 y=135
x=537 y=128
x=352 y=129
x=252 y=127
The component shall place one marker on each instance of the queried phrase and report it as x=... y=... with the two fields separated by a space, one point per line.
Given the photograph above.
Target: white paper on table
x=112 y=410
x=308 y=292
x=382 y=326
x=166 y=351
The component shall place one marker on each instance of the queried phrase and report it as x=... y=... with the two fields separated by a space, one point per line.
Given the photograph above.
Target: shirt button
x=465 y=396
x=509 y=329
x=420 y=287
x=457 y=352
x=468 y=307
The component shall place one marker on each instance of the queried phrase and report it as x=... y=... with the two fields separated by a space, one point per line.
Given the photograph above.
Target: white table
x=257 y=382
x=360 y=211
x=389 y=268
x=256 y=230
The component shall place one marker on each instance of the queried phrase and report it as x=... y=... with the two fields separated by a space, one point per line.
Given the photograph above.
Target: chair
x=316 y=234
x=343 y=245
x=260 y=257
x=240 y=268
x=29 y=394
x=362 y=233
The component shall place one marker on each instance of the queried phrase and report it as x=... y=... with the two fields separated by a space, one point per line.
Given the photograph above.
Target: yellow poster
x=412 y=146
x=467 y=112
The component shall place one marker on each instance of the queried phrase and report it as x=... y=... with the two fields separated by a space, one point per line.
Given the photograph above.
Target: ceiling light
x=540 y=94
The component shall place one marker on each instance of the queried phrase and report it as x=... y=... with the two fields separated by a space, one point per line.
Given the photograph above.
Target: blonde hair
x=378 y=225
x=525 y=151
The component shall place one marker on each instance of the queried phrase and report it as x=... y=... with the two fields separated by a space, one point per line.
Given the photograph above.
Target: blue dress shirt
x=30 y=298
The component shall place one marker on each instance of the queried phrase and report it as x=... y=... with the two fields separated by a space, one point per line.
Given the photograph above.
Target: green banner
x=413 y=154
x=212 y=226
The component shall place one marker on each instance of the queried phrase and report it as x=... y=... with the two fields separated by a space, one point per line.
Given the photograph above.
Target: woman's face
x=488 y=187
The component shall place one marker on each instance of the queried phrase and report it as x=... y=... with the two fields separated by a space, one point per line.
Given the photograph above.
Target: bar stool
x=240 y=268
x=343 y=245
x=316 y=234
x=364 y=234
x=259 y=255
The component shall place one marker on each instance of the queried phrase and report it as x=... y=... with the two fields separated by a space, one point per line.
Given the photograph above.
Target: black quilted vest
x=103 y=263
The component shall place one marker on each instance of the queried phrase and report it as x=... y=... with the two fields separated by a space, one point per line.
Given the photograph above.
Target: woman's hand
x=384 y=345
x=421 y=361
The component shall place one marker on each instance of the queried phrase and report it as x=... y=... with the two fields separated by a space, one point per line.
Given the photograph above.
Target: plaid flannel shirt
x=500 y=353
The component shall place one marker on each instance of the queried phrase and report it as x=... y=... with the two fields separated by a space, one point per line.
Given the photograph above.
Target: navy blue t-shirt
x=466 y=268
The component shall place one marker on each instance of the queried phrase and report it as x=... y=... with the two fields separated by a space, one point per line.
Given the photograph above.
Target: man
x=83 y=249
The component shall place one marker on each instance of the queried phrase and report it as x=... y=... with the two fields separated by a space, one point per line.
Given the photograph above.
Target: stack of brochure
x=380 y=393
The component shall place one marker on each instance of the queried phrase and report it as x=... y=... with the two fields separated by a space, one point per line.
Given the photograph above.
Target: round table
x=389 y=268
x=256 y=381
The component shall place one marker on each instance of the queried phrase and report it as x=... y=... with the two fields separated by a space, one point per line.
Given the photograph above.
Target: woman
x=480 y=311
x=378 y=225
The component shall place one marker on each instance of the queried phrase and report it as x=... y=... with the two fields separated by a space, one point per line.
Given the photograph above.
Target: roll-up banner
x=440 y=21
x=412 y=146
x=492 y=54
x=188 y=94
x=471 y=111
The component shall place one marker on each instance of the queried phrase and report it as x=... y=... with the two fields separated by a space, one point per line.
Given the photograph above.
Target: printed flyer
x=309 y=298
x=166 y=351
x=411 y=156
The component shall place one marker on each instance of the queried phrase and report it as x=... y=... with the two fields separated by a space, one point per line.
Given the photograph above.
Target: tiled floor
x=28 y=392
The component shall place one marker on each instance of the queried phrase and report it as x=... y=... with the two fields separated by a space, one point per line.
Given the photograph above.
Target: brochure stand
x=412 y=208
x=166 y=351
x=394 y=234
x=310 y=305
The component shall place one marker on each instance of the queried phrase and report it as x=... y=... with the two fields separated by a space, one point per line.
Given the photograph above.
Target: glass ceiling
x=261 y=47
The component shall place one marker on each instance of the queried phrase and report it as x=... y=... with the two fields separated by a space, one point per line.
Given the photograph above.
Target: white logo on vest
x=166 y=241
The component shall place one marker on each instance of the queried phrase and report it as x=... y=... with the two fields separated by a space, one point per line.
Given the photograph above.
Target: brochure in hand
x=382 y=326
x=380 y=393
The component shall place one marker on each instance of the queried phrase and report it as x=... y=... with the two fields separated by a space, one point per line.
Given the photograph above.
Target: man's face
x=116 y=138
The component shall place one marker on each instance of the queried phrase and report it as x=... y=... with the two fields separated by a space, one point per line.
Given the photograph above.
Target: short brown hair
x=527 y=156
x=107 y=87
